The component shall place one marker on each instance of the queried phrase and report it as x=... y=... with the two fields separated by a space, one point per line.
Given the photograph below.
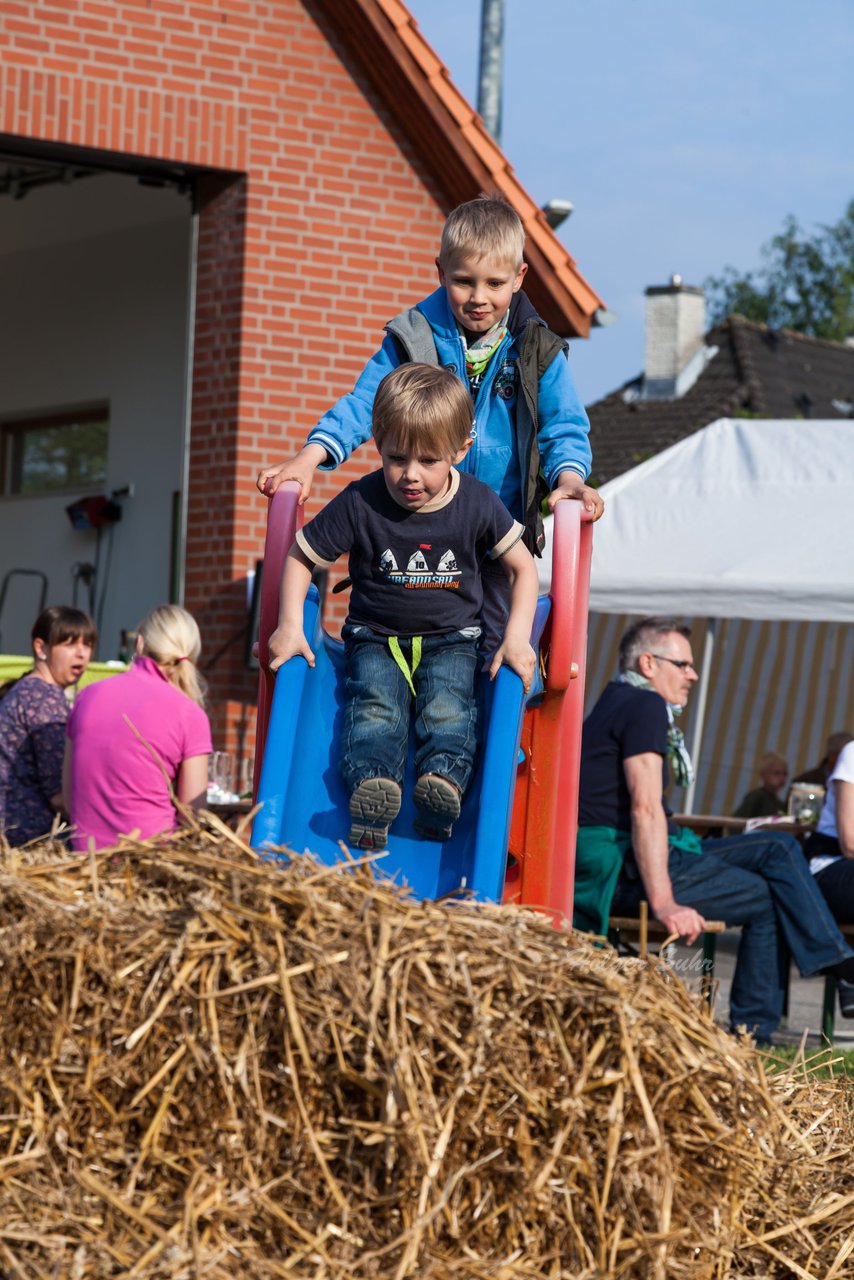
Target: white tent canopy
x=743 y=519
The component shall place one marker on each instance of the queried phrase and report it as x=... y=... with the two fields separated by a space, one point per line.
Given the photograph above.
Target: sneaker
x=438 y=803
x=373 y=807
x=846 y=997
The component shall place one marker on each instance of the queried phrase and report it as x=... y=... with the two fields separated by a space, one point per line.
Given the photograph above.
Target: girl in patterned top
x=33 y=713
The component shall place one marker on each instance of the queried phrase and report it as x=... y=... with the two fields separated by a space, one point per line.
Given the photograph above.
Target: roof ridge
x=554 y=260
x=736 y=317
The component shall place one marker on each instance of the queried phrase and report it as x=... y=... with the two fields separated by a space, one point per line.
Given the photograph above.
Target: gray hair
x=641 y=636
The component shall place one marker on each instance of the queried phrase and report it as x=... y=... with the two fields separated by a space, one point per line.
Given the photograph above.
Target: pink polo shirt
x=116 y=784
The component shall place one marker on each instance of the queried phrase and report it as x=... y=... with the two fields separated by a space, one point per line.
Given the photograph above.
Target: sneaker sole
x=373 y=807
x=438 y=803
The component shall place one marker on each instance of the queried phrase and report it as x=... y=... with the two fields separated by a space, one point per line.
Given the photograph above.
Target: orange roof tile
x=452 y=140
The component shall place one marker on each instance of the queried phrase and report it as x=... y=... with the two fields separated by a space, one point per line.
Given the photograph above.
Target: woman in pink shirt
x=139 y=741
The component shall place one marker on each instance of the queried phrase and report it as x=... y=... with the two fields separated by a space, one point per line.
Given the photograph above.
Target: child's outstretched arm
x=300 y=468
x=341 y=430
x=515 y=649
x=288 y=640
x=570 y=485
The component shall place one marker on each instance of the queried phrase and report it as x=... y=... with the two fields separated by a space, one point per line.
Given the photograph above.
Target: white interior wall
x=95 y=278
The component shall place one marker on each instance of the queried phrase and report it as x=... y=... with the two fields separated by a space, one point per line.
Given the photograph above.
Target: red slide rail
x=545 y=815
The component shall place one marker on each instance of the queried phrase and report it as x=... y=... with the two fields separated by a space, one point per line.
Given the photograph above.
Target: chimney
x=675 y=329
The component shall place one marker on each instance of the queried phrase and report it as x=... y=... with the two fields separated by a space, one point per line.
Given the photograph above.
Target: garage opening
x=97 y=270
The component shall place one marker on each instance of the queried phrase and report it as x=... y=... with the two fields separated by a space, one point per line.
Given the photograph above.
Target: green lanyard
x=397 y=654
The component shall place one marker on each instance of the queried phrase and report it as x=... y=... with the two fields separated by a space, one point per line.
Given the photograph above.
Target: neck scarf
x=480 y=352
x=677 y=752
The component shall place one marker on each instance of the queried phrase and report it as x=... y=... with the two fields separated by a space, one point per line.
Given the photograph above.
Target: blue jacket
x=497 y=457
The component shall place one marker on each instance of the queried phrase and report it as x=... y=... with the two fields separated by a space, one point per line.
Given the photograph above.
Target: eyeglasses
x=681 y=663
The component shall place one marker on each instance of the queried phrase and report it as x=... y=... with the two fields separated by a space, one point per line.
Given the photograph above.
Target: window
x=56 y=454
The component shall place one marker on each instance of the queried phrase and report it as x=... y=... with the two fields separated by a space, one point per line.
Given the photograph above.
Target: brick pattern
x=55 y=106
x=320 y=225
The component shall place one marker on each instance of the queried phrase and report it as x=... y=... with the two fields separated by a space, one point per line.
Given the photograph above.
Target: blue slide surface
x=305 y=805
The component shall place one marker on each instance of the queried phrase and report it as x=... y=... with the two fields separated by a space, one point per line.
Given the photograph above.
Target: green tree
x=806 y=282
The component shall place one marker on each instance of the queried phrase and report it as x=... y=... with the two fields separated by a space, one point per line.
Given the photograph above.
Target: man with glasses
x=629 y=848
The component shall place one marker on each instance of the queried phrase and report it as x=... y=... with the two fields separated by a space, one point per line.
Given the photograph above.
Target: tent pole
x=700 y=709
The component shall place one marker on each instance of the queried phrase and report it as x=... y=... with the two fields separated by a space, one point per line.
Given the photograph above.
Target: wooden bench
x=639 y=929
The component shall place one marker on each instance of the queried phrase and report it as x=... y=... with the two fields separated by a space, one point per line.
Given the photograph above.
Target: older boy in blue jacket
x=530 y=428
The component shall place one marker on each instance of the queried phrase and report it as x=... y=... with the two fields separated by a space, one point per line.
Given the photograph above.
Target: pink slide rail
x=284 y=517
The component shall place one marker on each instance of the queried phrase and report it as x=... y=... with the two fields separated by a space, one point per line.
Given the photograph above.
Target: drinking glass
x=220 y=777
x=805 y=802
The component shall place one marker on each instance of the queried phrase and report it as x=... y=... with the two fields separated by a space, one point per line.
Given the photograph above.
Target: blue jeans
x=836 y=884
x=763 y=883
x=378 y=702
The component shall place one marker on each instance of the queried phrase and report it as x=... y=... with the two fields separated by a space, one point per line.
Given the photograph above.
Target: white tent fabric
x=746 y=518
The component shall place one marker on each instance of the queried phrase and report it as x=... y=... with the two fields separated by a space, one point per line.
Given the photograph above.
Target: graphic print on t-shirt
x=417 y=563
x=418 y=571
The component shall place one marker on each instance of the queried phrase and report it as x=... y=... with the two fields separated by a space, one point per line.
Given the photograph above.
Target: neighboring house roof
x=450 y=138
x=757 y=371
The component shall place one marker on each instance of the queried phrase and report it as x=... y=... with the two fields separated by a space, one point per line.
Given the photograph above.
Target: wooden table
x=702 y=823
x=230 y=811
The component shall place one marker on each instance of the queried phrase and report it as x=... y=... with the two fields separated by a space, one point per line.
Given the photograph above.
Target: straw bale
x=213 y=1065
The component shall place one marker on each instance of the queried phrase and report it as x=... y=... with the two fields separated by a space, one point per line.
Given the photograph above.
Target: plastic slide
x=304 y=803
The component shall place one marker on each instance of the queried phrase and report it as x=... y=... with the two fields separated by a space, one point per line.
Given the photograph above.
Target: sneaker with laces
x=438 y=802
x=373 y=807
x=846 y=997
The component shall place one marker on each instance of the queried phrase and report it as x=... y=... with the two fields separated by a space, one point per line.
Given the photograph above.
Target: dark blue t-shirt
x=414 y=573
x=626 y=721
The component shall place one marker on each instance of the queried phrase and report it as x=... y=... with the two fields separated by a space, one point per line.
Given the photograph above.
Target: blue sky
x=683 y=134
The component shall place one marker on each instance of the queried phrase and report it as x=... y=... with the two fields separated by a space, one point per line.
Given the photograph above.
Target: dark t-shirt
x=817 y=776
x=626 y=721
x=760 y=803
x=414 y=573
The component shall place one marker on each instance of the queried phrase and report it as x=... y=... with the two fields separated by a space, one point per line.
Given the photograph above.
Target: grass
x=820 y=1063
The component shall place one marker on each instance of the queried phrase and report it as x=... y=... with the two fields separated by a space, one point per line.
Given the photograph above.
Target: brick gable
x=318 y=220
x=332 y=229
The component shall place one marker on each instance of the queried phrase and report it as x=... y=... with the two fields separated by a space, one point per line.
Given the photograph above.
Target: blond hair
x=422 y=407
x=170 y=637
x=481 y=228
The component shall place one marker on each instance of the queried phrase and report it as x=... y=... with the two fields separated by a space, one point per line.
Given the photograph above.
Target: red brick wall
x=326 y=228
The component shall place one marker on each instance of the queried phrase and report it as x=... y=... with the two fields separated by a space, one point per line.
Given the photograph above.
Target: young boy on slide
x=418 y=532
